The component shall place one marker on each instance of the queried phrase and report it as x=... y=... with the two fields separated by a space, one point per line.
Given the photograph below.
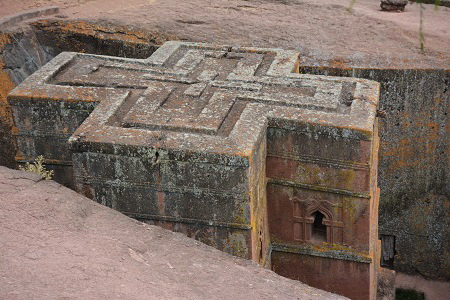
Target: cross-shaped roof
x=201 y=98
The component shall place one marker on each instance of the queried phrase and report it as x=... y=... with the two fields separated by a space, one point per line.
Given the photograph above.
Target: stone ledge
x=317 y=188
x=342 y=252
x=13 y=20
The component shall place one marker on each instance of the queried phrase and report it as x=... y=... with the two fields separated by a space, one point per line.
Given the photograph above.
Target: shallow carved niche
x=314 y=221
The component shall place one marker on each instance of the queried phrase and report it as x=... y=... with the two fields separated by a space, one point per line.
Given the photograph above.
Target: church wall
x=310 y=171
x=348 y=278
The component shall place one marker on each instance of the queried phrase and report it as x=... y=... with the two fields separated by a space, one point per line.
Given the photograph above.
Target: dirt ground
x=324 y=31
x=433 y=290
x=57 y=244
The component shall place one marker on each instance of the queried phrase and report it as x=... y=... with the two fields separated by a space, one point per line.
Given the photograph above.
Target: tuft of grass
x=436 y=4
x=350 y=6
x=421 y=35
x=38 y=167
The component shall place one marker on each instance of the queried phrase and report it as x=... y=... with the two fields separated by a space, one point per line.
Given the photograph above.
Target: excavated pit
x=413 y=128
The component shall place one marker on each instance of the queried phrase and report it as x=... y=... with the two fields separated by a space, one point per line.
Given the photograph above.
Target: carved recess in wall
x=311 y=214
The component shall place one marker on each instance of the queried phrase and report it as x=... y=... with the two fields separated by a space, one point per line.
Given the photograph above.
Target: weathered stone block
x=413 y=167
x=228 y=145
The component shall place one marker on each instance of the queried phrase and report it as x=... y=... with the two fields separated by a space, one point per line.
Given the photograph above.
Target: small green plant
x=350 y=7
x=421 y=35
x=38 y=168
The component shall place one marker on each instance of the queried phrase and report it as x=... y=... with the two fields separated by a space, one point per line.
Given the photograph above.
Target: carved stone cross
x=213 y=142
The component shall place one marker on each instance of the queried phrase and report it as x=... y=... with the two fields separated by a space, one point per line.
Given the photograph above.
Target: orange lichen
x=425 y=142
x=6 y=85
x=100 y=32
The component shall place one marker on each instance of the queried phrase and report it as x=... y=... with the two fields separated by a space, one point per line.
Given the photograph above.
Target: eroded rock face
x=393 y=5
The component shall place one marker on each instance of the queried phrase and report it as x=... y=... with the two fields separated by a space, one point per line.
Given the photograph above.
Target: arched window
x=319 y=229
x=314 y=222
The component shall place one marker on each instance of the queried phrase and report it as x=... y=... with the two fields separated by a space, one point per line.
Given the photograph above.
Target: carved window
x=319 y=229
x=313 y=222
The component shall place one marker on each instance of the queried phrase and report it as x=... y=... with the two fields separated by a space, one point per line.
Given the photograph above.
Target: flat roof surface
x=201 y=98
